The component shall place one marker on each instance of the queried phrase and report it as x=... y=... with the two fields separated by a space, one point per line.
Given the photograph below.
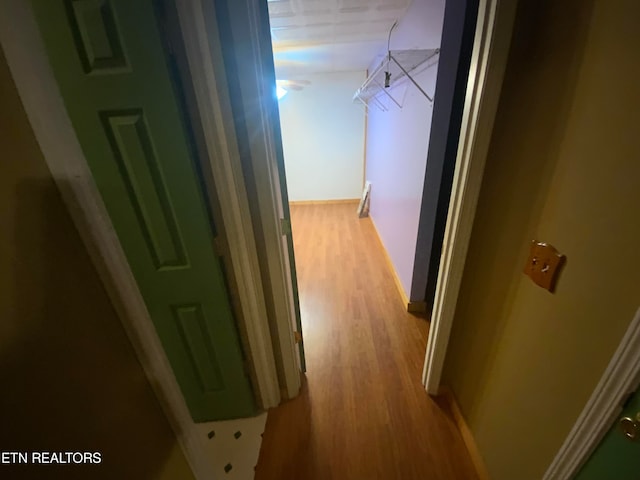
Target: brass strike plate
x=544 y=264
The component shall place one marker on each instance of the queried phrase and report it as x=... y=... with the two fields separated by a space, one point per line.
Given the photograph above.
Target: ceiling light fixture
x=280 y=92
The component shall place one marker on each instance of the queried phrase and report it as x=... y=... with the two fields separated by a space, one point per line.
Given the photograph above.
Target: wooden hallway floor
x=362 y=413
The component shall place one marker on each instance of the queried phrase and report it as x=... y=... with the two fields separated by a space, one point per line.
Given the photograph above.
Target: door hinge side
x=285 y=226
x=246 y=367
x=297 y=337
x=165 y=30
x=218 y=247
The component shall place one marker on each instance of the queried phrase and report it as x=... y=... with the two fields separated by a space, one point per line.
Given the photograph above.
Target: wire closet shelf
x=396 y=65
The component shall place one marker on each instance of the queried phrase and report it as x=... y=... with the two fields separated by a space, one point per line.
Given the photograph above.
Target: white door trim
x=488 y=62
x=621 y=378
x=207 y=73
x=245 y=19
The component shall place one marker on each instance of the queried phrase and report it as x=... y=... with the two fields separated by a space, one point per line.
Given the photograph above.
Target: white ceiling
x=311 y=36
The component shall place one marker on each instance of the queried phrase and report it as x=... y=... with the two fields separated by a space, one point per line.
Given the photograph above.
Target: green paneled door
x=108 y=59
x=617 y=457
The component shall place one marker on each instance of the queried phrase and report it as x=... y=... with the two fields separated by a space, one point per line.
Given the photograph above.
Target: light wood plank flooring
x=363 y=413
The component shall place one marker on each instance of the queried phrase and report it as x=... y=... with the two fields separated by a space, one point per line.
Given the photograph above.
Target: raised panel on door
x=108 y=59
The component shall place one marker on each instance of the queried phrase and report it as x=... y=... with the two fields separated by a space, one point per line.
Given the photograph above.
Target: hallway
x=362 y=413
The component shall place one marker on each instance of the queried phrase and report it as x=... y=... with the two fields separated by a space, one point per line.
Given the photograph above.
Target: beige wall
x=69 y=378
x=563 y=167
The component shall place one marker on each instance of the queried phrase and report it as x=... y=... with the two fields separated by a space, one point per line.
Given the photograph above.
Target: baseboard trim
x=387 y=258
x=324 y=202
x=467 y=437
x=417 y=307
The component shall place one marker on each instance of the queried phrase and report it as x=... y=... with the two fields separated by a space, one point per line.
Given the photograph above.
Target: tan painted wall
x=69 y=379
x=563 y=167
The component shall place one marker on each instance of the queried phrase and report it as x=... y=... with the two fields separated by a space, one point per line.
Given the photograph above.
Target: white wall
x=323 y=138
x=398 y=141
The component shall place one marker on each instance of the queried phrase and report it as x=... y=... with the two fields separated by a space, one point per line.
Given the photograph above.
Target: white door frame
x=244 y=18
x=620 y=379
x=29 y=65
x=488 y=63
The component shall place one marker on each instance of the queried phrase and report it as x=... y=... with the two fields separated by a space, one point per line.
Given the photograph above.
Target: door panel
x=292 y=276
x=245 y=38
x=109 y=62
x=616 y=458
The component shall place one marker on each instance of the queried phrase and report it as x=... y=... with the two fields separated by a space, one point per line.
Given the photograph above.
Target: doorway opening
x=364 y=350
x=356 y=86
